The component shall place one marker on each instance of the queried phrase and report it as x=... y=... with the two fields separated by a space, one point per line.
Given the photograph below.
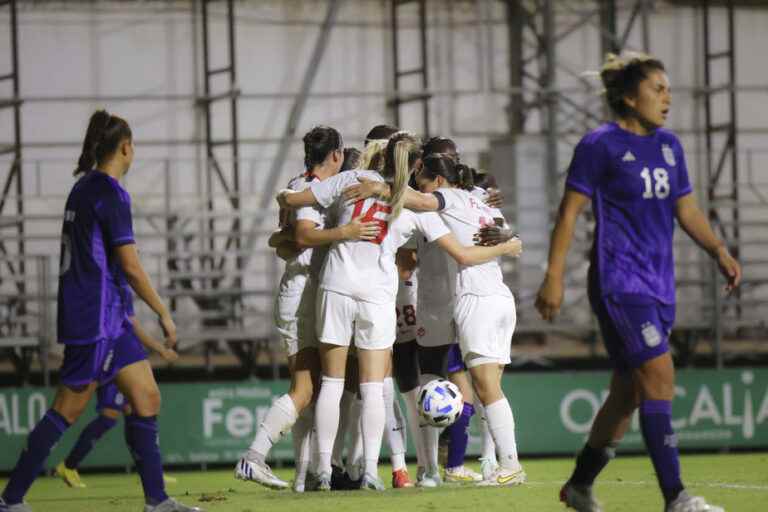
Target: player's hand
x=281 y=198
x=169 y=330
x=357 y=230
x=550 y=297
x=406 y=261
x=288 y=251
x=495 y=198
x=363 y=190
x=729 y=267
x=169 y=355
x=514 y=247
x=493 y=235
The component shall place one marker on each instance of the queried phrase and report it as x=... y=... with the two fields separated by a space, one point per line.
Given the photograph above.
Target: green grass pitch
x=738 y=482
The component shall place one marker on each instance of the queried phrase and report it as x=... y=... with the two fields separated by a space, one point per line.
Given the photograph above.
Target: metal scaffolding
x=419 y=70
x=722 y=161
x=13 y=185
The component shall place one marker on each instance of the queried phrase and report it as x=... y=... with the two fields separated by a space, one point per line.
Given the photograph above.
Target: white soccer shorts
x=340 y=317
x=484 y=326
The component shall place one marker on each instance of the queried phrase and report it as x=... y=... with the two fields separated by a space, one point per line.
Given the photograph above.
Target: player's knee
x=656 y=380
x=70 y=411
x=147 y=401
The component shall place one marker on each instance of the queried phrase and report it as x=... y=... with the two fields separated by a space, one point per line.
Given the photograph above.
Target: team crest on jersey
x=650 y=334
x=669 y=155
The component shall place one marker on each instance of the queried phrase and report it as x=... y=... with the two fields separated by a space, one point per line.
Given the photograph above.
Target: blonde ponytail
x=372 y=157
x=400 y=181
x=403 y=150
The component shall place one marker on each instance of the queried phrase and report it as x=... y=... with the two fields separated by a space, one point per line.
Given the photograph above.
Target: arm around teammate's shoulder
x=476 y=255
x=307 y=234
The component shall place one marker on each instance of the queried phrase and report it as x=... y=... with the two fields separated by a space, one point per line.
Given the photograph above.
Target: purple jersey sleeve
x=127 y=296
x=114 y=214
x=588 y=166
x=683 y=181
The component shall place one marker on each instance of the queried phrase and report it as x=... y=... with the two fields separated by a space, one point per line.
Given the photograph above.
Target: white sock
x=355 y=439
x=501 y=423
x=489 y=447
x=411 y=398
x=280 y=417
x=373 y=421
x=394 y=426
x=337 y=458
x=302 y=434
x=429 y=435
x=327 y=420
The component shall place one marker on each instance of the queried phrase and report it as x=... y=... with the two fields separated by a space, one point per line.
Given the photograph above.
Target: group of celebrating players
x=355 y=322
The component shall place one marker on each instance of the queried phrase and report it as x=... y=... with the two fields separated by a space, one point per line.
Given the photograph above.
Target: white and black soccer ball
x=440 y=403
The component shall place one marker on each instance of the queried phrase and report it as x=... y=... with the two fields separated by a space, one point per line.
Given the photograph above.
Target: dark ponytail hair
x=484 y=180
x=439 y=164
x=104 y=134
x=380 y=132
x=440 y=145
x=351 y=159
x=318 y=143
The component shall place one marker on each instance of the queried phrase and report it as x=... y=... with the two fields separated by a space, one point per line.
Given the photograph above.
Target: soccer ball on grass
x=440 y=403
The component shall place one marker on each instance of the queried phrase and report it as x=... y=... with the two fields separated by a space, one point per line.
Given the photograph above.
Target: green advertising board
x=210 y=423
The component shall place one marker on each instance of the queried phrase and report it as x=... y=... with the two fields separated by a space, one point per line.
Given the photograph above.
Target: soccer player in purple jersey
x=99 y=255
x=634 y=173
x=110 y=403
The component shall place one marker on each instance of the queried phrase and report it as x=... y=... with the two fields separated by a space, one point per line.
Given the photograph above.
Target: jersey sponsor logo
x=69 y=216
x=651 y=334
x=669 y=155
x=628 y=157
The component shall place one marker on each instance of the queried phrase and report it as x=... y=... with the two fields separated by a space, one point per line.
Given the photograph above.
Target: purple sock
x=459 y=437
x=88 y=437
x=142 y=439
x=41 y=440
x=661 y=442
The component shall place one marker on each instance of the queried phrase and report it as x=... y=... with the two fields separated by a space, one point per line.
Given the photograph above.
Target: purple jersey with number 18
x=634 y=182
x=97 y=219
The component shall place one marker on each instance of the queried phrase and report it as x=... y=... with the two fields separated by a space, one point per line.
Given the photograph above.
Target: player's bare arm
x=137 y=277
x=694 y=222
x=550 y=296
x=307 y=234
x=365 y=189
x=477 y=255
x=149 y=342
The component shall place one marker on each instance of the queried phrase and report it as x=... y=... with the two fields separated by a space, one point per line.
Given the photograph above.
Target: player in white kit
x=484 y=313
x=295 y=307
x=357 y=294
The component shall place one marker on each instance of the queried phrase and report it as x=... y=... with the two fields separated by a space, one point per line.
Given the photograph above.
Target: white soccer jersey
x=479 y=193
x=465 y=215
x=297 y=269
x=406 y=308
x=366 y=270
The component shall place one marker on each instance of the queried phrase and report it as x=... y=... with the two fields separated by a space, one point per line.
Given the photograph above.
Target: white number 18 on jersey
x=657 y=187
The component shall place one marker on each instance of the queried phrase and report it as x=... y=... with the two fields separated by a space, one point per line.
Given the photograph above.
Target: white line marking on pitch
x=640 y=483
